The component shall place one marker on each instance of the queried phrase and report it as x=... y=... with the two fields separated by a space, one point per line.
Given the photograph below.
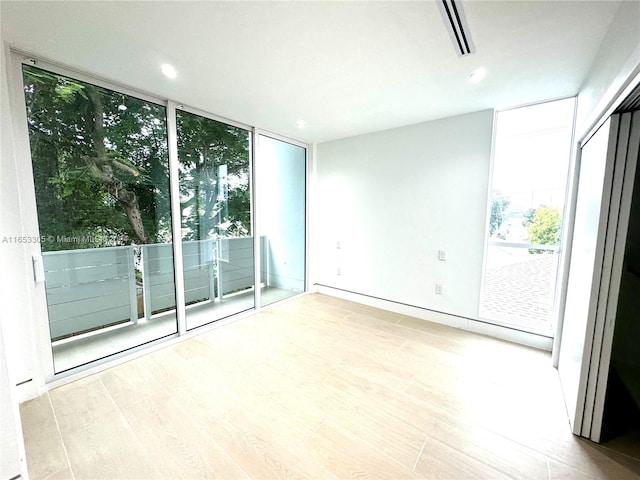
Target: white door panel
x=584 y=272
x=605 y=186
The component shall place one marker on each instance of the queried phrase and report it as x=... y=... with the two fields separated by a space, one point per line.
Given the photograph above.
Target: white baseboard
x=469 y=324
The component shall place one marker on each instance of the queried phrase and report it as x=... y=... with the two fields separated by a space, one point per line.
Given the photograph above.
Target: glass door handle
x=38 y=268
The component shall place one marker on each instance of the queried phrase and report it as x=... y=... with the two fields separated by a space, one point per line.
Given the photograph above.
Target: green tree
x=213 y=204
x=99 y=162
x=499 y=204
x=544 y=229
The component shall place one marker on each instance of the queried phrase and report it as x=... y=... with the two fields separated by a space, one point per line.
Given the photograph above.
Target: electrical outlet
x=438 y=289
x=338 y=271
x=442 y=255
x=338 y=245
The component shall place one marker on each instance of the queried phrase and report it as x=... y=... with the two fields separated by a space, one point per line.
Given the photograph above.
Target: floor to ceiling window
x=215 y=206
x=103 y=166
x=530 y=165
x=100 y=168
x=281 y=168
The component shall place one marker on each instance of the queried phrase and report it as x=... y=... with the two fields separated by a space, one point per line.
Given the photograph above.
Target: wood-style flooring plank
x=64 y=474
x=392 y=437
x=263 y=453
x=43 y=444
x=348 y=456
x=439 y=461
x=175 y=444
x=99 y=442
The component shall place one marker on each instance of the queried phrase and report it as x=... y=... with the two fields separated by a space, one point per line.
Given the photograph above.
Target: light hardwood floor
x=318 y=387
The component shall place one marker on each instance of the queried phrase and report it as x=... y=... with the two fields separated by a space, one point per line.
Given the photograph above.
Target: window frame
x=41 y=357
x=565 y=224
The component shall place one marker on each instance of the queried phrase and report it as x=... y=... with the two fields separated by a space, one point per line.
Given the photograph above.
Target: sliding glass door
x=100 y=168
x=120 y=186
x=281 y=173
x=215 y=206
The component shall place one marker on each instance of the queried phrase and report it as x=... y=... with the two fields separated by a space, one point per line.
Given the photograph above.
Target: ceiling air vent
x=456 y=24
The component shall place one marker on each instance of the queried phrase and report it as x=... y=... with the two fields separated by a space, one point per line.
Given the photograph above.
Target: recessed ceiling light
x=301 y=124
x=477 y=75
x=169 y=71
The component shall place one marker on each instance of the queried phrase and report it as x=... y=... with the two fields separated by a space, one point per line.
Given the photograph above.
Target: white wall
x=11 y=444
x=15 y=349
x=617 y=59
x=392 y=199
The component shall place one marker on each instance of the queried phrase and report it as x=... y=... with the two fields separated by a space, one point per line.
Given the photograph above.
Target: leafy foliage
x=72 y=124
x=100 y=165
x=544 y=228
x=214 y=178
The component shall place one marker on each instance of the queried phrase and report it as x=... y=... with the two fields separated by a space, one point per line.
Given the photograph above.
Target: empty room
x=320 y=239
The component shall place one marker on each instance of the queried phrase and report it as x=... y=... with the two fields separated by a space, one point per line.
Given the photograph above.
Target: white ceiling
x=345 y=68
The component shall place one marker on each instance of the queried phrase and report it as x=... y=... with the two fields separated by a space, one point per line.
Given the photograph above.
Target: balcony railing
x=91 y=289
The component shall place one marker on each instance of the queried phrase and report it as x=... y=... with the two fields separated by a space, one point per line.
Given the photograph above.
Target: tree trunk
x=101 y=168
